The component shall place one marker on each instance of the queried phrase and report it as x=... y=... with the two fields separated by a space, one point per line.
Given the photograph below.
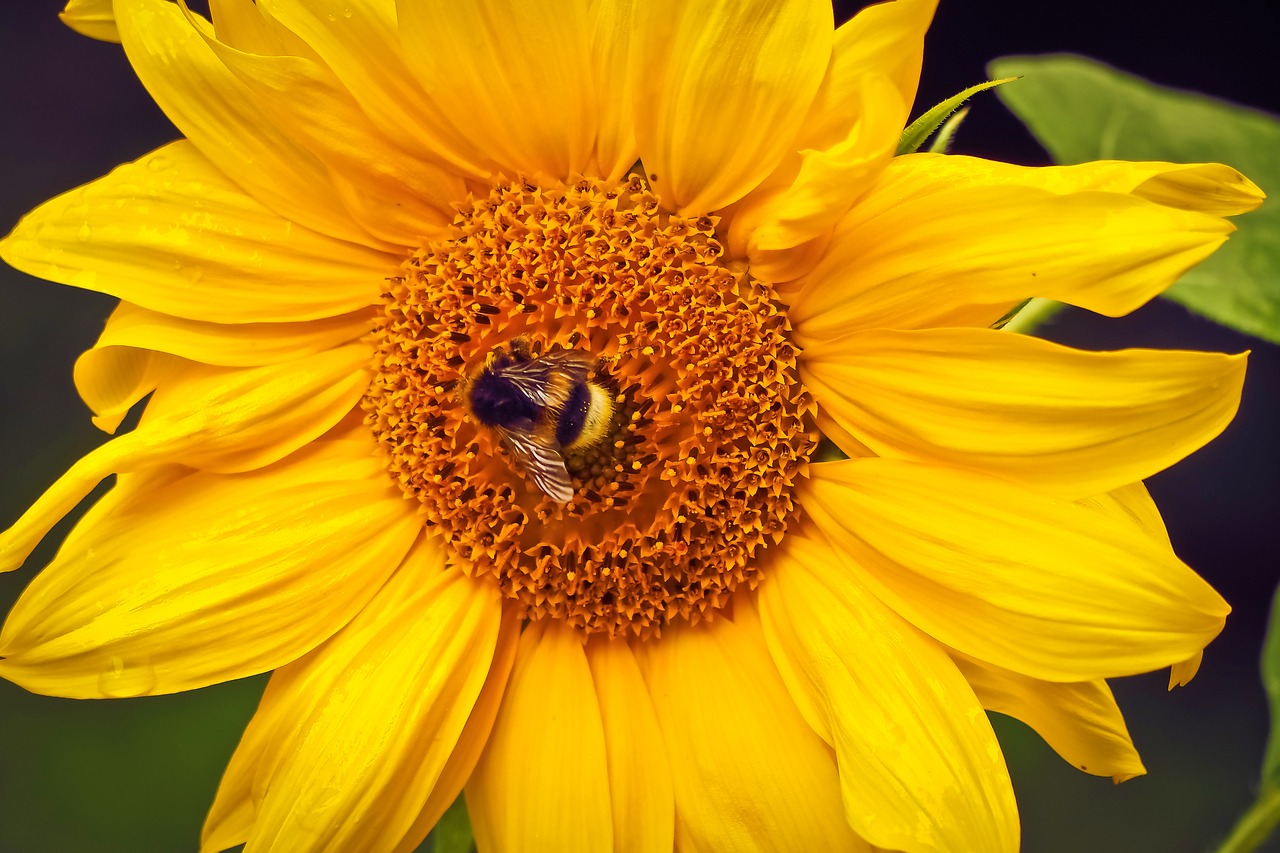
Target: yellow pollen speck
x=670 y=502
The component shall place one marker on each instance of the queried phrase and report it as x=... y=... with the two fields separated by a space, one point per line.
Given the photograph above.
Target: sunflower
x=724 y=635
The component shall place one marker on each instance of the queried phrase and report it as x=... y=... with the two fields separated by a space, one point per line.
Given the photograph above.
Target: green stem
x=1032 y=315
x=1255 y=825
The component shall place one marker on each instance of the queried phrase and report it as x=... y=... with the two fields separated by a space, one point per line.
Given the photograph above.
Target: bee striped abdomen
x=574 y=414
x=589 y=421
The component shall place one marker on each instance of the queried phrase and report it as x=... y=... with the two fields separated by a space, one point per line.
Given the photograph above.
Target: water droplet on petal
x=321 y=813
x=158 y=163
x=123 y=681
x=84 y=233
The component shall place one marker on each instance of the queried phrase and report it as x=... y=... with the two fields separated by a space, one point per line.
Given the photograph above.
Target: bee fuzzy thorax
x=495 y=401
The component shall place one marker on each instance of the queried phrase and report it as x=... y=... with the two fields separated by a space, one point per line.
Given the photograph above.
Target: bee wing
x=542 y=462
x=546 y=379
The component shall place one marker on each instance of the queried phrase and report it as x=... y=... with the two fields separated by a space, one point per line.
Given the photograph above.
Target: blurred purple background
x=138 y=774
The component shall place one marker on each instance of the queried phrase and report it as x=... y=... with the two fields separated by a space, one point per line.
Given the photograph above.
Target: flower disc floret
x=711 y=427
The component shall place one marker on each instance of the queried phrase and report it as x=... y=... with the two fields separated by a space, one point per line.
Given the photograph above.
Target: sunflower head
x=711 y=426
x=512 y=483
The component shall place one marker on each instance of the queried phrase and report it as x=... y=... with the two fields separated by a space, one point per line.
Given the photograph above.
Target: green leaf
x=941 y=143
x=1083 y=110
x=1253 y=830
x=1028 y=315
x=922 y=128
x=1257 y=824
x=1271 y=682
x=452 y=834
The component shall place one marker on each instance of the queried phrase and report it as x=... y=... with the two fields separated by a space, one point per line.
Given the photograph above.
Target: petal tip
x=92 y=18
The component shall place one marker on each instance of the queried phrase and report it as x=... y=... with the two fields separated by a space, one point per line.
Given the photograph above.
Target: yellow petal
x=1204 y=187
x=395 y=196
x=170 y=233
x=612 y=24
x=1134 y=504
x=223 y=344
x=231 y=817
x=812 y=206
x=226 y=420
x=112 y=380
x=1181 y=673
x=640 y=791
x=841 y=438
x=721 y=90
x=920 y=767
x=913 y=251
x=266 y=740
x=748 y=772
x=466 y=754
x=1038 y=585
x=242 y=24
x=208 y=579
x=215 y=112
x=827 y=183
x=1080 y=721
x=360 y=41
x=542 y=782
x=276 y=729
x=884 y=38
x=1066 y=421
x=212 y=418
x=374 y=714
x=249 y=25
x=513 y=77
x=849 y=134
x=92 y=18
x=784 y=266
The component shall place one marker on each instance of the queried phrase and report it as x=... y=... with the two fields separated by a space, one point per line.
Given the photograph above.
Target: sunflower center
x=590 y=406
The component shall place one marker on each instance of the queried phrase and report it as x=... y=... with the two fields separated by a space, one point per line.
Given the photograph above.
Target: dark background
x=138 y=774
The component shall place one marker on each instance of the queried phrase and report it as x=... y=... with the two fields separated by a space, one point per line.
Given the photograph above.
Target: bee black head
x=497 y=402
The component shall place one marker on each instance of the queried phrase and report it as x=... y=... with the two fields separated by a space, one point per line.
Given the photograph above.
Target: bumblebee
x=541 y=406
